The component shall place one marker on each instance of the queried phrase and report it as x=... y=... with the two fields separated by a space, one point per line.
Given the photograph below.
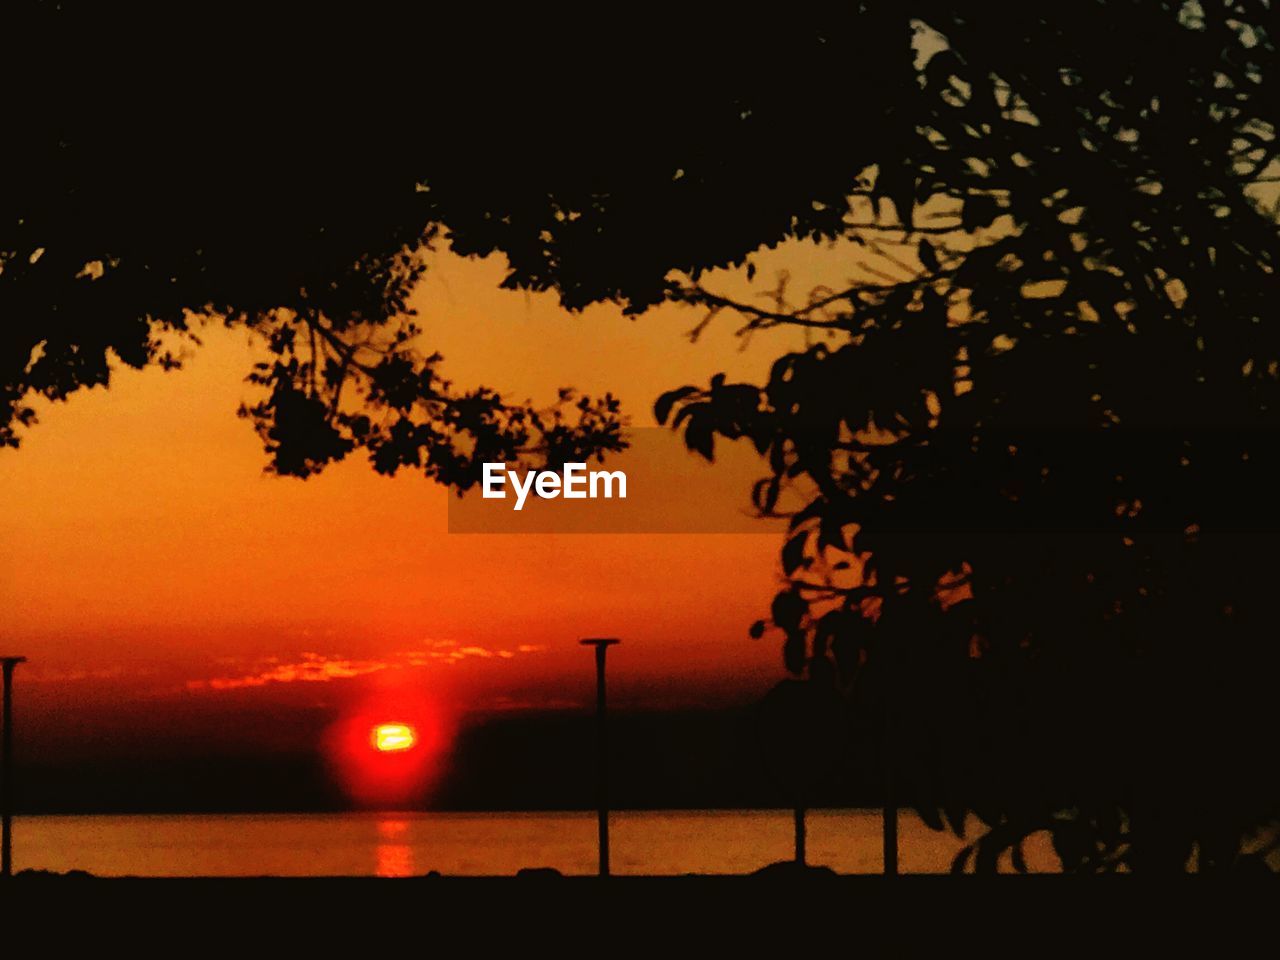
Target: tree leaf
x=928 y=257
x=793 y=553
x=662 y=408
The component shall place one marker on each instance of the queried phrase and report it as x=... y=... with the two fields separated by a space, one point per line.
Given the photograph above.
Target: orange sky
x=146 y=554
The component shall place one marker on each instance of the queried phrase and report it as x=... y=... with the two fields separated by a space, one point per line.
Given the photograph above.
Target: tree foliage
x=1041 y=447
x=285 y=179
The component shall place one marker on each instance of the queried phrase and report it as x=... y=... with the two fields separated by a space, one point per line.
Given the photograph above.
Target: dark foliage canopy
x=1041 y=443
x=286 y=177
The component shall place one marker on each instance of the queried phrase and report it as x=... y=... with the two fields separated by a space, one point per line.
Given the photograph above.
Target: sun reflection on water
x=393 y=855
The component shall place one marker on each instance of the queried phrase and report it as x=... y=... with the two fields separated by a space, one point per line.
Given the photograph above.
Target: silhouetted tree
x=285 y=178
x=1039 y=443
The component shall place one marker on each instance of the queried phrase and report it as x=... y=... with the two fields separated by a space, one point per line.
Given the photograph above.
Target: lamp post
x=602 y=645
x=6 y=769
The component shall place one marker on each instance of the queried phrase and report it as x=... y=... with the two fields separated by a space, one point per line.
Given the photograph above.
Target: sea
x=670 y=842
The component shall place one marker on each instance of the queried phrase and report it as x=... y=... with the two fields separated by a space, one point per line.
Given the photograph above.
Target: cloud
x=72 y=676
x=321 y=668
x=311 y=668
x=448 y=651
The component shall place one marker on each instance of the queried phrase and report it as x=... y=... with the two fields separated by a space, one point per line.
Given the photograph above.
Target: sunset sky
x=154 y=575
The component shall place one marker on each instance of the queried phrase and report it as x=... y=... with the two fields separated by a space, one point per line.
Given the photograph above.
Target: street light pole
x=6 y=769
x=602 y=644
x=889 y=748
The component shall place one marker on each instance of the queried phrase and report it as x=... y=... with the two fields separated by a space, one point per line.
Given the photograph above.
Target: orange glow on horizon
x=149 y=558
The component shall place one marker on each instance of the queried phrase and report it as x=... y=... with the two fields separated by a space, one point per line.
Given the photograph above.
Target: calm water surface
x=405 y=844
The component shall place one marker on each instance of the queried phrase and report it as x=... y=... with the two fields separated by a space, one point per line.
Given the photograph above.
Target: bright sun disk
x=392 y=737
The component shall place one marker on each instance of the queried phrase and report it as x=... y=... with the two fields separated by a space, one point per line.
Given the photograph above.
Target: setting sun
x=392 y=737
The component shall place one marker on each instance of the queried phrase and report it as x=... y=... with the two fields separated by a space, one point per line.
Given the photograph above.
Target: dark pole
x=6 y=770
x=890 y=793
x=602 y=644
x=890 y=822
x=800 y=834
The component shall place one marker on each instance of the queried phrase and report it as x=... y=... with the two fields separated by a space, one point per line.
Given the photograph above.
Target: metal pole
x=890 y=792
x=6 y=770
x=890 y=827
x=602 y=644
x=800 y=834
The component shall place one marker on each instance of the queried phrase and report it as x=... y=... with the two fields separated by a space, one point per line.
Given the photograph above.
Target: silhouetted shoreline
x=910 y=915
